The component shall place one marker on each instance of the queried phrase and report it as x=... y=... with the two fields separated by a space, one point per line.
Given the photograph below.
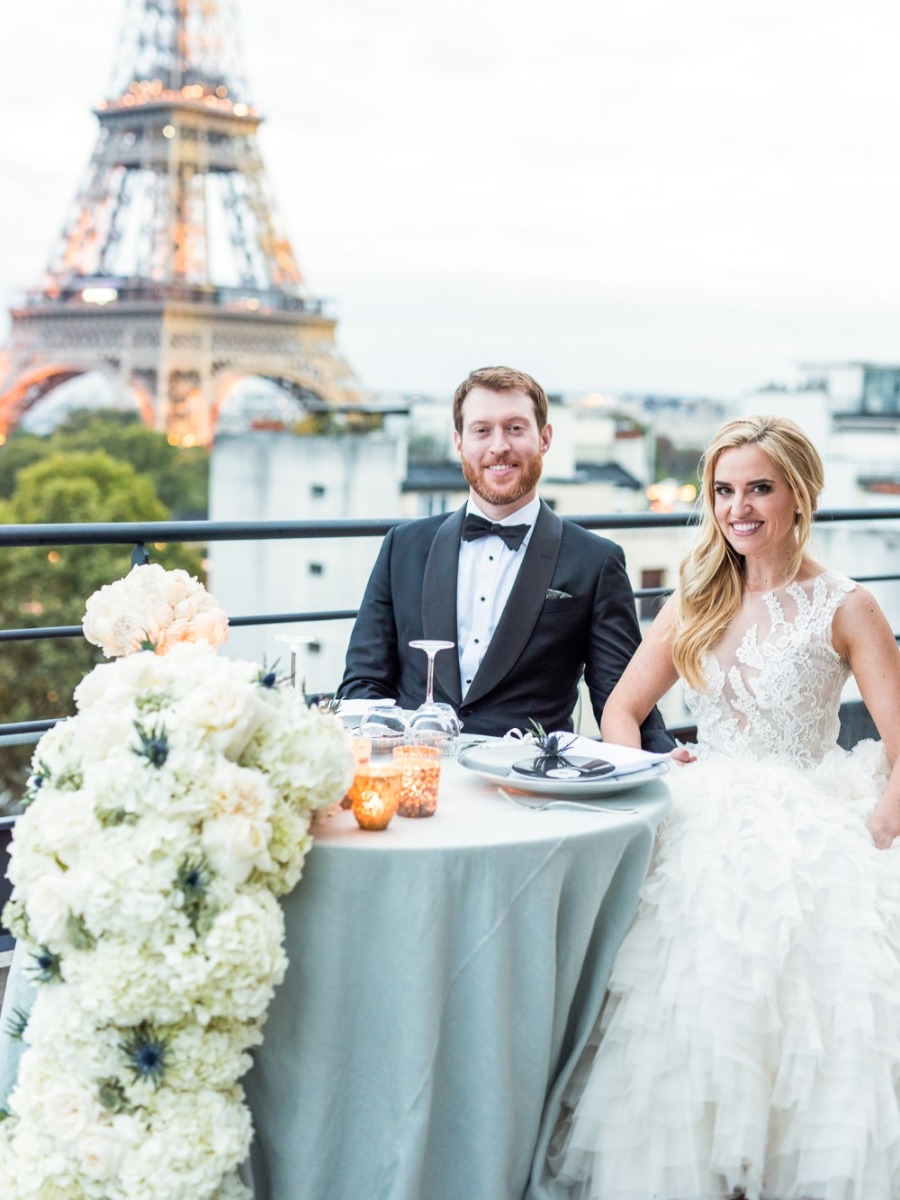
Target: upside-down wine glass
x=434 y=723
x=294 y=641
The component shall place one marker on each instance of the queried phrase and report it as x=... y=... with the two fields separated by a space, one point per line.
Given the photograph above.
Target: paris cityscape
x=176 y=238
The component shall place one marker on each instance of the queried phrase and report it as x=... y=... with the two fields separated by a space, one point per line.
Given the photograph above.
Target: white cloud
x=628 y=192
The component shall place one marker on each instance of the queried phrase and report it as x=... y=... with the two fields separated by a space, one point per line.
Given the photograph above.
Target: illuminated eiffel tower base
x=172 y=276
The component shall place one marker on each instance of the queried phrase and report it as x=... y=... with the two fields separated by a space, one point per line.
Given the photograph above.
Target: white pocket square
x=553 y=594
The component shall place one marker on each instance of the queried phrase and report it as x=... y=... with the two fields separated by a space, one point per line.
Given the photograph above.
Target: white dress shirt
x=486 y=574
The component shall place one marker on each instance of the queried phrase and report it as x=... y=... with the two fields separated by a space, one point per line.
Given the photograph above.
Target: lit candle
x=420 y=775
x=375 y=794
x=361 y=748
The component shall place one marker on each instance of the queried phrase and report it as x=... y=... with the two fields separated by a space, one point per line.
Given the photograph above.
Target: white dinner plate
x=493 y=762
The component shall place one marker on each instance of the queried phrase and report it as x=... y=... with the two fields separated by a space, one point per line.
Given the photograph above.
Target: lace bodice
x=775 y=679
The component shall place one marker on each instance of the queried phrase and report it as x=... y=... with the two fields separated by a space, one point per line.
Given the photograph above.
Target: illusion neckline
x=784 y=586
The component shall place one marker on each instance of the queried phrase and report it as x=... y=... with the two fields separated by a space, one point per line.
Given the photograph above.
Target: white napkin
x=356 y=708
x=351 y=712
x=625 y=759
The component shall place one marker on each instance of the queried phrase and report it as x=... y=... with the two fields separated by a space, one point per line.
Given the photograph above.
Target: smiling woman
x=760 y=483
x=756 y=511
x=708 y=1077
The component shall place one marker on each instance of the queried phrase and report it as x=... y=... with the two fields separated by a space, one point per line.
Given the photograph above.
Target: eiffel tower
x=172 y=275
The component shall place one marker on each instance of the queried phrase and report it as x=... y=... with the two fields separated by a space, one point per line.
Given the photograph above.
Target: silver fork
x=578 y=805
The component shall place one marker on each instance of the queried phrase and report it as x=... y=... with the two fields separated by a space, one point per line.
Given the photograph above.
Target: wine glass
x=386 y=726
x=434 y=723
x=294 y=641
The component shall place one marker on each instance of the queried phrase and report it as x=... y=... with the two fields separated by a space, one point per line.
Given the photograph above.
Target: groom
x=530 y=601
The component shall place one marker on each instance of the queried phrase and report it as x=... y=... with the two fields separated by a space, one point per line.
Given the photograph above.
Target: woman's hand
x=884 y=825
x=681 y=756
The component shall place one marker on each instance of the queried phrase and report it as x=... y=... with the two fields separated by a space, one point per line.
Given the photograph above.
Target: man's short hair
x=500 y=379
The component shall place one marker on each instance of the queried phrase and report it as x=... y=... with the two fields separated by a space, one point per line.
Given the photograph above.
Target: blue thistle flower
x=268 y=677
x=193 y=880
x=154 y=744
x=36 y=780
x=47 y=966
x=145 y=1049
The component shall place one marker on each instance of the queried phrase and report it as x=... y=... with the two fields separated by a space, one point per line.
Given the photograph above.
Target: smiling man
x=531 y=602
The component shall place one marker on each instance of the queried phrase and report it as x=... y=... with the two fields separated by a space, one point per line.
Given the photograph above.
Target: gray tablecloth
x=445 y=975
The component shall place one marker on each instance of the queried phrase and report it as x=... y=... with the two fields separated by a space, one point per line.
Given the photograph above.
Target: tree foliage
x=677 y=462
x=180 y=476
x=47 y=586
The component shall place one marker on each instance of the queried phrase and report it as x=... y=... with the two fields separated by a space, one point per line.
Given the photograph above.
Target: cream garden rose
x=155 y=606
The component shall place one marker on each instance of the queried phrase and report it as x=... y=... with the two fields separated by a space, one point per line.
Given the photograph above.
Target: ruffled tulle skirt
x=750 y=1044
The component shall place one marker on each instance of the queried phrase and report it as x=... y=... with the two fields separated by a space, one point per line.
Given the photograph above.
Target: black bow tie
x=478 y=527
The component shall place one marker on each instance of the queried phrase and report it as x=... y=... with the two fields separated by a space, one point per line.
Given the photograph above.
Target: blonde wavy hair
x=711 y=576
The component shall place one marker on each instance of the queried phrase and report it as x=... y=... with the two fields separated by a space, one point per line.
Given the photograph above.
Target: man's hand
x=681 y=755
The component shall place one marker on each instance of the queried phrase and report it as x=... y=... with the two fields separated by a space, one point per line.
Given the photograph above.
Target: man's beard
x=479 y=480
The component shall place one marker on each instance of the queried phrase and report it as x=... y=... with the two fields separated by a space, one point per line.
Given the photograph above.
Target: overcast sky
x=624 y=194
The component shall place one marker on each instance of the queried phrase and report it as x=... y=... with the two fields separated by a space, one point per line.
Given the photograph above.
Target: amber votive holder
x=420 y=776
x=361 y=749
x=375 y=794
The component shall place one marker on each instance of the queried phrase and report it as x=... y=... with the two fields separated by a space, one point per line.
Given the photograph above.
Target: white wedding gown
x=750 y=1043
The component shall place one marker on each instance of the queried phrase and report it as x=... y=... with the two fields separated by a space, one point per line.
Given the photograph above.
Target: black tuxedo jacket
x=571 y=611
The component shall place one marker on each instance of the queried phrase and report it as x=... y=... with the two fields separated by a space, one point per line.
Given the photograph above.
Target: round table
x=445 y=975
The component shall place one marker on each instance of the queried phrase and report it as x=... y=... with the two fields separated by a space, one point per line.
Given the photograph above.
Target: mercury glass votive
x=361 y=749
x=420 y=775
x=375 y=794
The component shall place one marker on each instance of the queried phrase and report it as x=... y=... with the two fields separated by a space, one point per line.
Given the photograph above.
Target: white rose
x=240 y=791
x=236 y=844
x=48 y=908
x=70 y=1108
x=176 y=586
x=221 y=706
x=103 y=1148
x=68 y=821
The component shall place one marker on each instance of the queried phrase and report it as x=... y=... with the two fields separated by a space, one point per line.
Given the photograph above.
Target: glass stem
x=429 y=689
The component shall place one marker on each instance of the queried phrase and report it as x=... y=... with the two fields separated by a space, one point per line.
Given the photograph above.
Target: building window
x=650 y=605
x=432 y=504
x=316 y=568
x=317 y=490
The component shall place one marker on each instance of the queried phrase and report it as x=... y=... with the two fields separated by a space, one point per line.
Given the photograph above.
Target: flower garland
x=165 y=817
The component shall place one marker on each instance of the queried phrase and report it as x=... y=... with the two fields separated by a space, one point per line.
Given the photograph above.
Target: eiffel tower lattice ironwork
x=172 y=275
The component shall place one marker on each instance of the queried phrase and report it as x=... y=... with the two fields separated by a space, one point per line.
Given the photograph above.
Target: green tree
x=180 y=476
x=20 y=451
x=45 y=587
x=677 y=462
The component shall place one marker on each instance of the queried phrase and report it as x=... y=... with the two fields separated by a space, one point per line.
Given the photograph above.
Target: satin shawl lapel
x=524 y=605
x=439 y=604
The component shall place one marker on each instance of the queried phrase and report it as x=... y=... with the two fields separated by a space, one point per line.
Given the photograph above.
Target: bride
x=750 y=1043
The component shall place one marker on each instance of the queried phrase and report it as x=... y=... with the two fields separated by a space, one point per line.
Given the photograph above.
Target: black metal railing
x=138 y=535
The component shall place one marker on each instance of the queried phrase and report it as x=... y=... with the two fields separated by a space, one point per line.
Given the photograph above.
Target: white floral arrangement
x=164 y=820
